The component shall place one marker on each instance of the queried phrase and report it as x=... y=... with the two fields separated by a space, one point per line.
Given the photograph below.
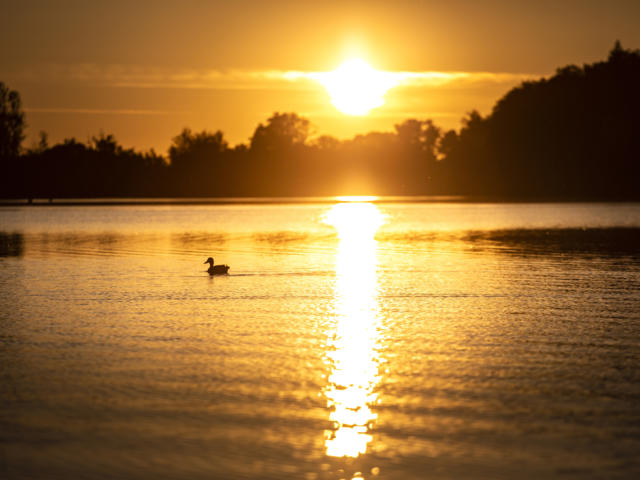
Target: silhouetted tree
x=11 y=123
x=420 y=135
x=446 y=144
x=573 y=135
x=11 y=136
x=192 y=150
x=326 y=143
x=282 y=131
x=195 y=161
x=105 y=145
x=43 y=142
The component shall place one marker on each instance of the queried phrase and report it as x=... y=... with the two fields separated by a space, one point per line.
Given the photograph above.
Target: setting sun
x=355 y=87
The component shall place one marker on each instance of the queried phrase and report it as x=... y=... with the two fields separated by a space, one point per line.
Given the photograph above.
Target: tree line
x=574 y=135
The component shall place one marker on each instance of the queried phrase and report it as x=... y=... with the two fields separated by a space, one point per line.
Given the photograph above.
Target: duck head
x=209 y=261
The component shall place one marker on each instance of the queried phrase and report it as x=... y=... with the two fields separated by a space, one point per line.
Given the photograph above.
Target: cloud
x=128 y=76
x=101 y=111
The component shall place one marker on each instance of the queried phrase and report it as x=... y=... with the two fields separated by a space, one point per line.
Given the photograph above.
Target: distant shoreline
x=194 y=201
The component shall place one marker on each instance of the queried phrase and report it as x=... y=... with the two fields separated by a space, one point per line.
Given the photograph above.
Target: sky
x=145 y=70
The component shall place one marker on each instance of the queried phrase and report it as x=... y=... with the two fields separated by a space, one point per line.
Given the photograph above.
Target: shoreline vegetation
x=284 y=200
x=573 y=136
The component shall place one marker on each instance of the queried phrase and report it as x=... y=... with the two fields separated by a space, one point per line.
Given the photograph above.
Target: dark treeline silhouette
x=100 y=168
x=574 y=135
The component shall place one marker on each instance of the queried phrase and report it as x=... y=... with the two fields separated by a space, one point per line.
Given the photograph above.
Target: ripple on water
x=456 y=353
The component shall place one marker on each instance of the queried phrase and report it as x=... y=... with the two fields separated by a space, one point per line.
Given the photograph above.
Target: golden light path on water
x=352 y=351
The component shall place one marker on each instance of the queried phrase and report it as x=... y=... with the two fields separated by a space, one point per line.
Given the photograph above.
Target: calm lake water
x=355 y=340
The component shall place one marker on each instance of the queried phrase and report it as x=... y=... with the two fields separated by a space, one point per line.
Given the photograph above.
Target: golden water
x=353 y=340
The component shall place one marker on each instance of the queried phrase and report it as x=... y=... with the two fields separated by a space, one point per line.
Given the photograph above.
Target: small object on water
x=217 y=269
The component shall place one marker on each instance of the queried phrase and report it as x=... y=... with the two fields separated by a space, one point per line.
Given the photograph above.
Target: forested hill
x=574 y=135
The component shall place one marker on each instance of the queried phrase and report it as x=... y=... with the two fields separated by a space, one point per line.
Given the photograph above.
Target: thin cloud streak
x=122 y=76
x=101 y=111
x=322 y=115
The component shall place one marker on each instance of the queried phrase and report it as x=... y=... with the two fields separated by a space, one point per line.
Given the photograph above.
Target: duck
x=217 y=269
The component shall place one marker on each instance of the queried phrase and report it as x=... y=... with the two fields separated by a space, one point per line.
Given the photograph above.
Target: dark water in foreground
x=349 y=341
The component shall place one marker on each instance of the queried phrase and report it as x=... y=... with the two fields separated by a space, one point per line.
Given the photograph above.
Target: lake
x=349 y=340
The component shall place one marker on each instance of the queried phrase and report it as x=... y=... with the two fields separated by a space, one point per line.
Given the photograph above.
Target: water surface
x=349 y=340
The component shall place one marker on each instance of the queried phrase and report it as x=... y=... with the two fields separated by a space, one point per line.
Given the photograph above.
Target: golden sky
x=144 y=70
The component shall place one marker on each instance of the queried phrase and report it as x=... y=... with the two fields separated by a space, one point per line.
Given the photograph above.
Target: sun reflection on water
x=352 y=351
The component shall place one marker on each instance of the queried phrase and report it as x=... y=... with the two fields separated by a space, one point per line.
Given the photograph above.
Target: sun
x=355 y=87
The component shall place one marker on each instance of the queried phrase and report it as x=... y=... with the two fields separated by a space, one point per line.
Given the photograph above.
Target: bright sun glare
x=355 y=87
x=354 y=351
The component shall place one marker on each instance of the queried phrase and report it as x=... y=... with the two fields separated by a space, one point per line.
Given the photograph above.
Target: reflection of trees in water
x=281 y=238
x=590 y=241
x=598 y=241
x=108 y=243
x=11 y=244
x=194 y=240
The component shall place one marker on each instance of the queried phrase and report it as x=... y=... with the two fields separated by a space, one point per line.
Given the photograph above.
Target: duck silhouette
x=216 y=269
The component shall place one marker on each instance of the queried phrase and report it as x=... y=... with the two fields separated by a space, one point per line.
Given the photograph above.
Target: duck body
x=216 y=269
